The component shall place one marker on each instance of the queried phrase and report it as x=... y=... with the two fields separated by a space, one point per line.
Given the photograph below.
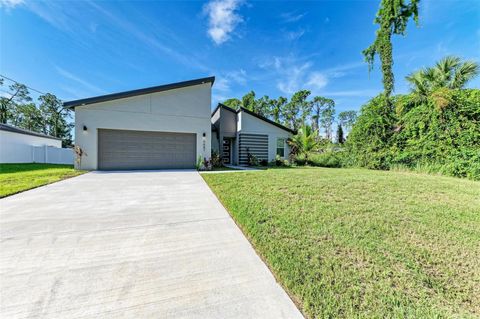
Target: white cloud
x=70 y=76
x=9 y=4
x=222 y=19
x=293 y=75
x=291 y=16
x=317 y=80
x=225 y=80
x=294 y=35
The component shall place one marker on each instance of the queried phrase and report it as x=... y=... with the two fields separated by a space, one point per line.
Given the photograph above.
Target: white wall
x=250 y=124
x=185 y=110
x=22 y=148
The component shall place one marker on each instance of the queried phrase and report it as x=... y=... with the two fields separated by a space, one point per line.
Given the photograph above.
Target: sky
x=79 y=49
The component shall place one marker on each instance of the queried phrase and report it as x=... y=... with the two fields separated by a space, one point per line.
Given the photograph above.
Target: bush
x=216 y=160
x=327 y=159
x=439 y=135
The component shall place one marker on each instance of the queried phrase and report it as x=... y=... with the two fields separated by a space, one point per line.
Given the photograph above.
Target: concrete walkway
x=130 y=245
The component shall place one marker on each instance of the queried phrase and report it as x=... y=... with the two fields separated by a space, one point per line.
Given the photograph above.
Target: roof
x=263 y=118
x=13 y=129
x=153 y=89
x=267 y=120
x=223 y=106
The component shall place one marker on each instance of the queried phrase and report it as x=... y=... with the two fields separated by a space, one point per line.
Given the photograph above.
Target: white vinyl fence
x=24 y=153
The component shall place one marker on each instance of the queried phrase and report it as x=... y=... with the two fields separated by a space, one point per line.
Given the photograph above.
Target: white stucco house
x=19 y=145
x=169 y=127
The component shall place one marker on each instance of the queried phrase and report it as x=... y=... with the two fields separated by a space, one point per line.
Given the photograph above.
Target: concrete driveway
x=152 y=244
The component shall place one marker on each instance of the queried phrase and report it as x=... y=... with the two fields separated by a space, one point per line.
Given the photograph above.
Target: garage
x=128 y=149
x=161 y=127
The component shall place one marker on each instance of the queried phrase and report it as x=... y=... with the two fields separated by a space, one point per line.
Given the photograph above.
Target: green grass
x=15 y=178
x=365 y=244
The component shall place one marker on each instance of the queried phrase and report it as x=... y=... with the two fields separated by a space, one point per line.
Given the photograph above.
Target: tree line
x=47 y=115
x=300 y=110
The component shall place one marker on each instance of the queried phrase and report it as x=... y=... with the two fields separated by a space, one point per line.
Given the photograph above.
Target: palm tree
x=450 y=73
x=305 y=141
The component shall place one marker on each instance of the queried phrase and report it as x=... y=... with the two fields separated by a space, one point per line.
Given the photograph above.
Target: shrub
x=441 y=134
x=216 y=160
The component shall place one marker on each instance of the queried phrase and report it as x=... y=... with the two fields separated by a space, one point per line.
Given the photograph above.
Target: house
x=236 y=133
x=19 y=145
x=170 y=127
x=165 y=126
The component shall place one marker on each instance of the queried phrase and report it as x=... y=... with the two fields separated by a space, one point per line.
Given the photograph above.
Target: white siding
x=23 y=148
x=247 y=123
x=185 y=110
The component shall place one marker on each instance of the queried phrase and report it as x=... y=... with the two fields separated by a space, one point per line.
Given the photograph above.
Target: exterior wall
x=21 y=148
x=185 y=110
x=247 y=123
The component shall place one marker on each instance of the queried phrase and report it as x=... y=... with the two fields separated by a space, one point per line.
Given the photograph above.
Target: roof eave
x=137 y=92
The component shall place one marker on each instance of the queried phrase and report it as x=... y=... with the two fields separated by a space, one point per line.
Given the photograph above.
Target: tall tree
x=450 y=72
x=276 y=108
x=392 y=18
x=17 y=94
x=319 y=104
x=295 y=111
x=327 y=117
x=347 y=118
x=262 y=106
x=55 y=117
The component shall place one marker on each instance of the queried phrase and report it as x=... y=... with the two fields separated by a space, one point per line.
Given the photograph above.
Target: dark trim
x=267 y=120
x=223 y=106
x=122 y=95
x=13 y=129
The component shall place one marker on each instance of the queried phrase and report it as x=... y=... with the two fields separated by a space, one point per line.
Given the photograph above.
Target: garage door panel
x=122 y=149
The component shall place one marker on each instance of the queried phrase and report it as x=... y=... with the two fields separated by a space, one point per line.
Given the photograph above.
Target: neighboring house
x=166 y=126
x=23 y=146
x=239 y=132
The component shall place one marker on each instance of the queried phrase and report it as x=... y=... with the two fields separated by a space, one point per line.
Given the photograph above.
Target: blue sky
x=78 y=49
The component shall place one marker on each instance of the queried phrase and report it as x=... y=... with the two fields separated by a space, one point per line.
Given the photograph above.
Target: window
x=281 y=147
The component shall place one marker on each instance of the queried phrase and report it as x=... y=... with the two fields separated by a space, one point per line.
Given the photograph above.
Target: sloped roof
x=153 y=89
x=263 y=118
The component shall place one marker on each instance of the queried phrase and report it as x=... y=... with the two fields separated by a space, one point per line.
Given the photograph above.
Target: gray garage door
x=120 y=149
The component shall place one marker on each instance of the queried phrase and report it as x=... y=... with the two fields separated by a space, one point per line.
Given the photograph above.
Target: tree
x=233 y=103
x=450 y=73
x=262 y=106
x=55 y=117
x=392 y=17
x=18 y=93
x=297 y=110
x=347 y=118
x=340 y=138
x=249 y=102
x=28 y=116
x=304 y=142
x=276 y=108
x=319 y=103
x=327 y=117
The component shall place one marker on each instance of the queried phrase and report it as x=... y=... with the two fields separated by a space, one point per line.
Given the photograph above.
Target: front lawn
x=361 y=243
x=16 y=178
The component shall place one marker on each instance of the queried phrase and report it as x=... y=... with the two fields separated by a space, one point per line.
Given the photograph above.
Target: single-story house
x=19 y=145
x=169 y=126
x=236 y=133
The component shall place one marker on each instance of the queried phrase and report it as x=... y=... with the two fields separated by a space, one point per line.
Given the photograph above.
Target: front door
x=227 y=151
